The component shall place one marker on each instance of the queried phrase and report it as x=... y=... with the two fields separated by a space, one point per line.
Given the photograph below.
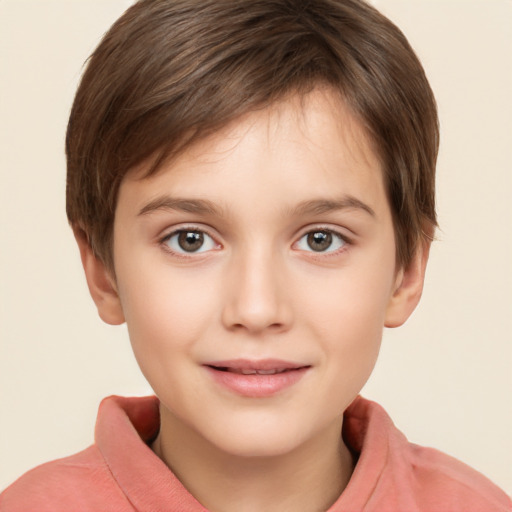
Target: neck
x=310 y=478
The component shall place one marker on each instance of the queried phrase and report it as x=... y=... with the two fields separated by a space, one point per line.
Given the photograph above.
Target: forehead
x=304 y=146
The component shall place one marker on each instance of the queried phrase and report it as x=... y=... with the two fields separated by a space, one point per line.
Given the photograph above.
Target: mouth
x=256 y=379
x=255 y=371
x=256 y=367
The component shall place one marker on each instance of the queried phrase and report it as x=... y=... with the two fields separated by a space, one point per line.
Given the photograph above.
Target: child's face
x=268 y=246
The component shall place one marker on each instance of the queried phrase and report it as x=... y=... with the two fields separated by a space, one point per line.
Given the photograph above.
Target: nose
x=257 y=299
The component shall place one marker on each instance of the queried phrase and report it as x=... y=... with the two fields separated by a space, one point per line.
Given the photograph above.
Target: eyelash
x=329 y=253
x=195 y=229
x=185 y=229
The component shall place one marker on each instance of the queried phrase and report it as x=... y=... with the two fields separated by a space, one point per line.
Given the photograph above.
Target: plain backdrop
x=445 y=377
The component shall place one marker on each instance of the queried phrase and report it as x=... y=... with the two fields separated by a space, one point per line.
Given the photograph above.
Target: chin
x=257 y=447
x=258 y=438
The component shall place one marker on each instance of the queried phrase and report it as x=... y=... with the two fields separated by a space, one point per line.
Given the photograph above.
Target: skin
x=256 y=289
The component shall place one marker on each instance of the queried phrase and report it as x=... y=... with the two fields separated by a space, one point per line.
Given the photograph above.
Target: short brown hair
x=170 y=72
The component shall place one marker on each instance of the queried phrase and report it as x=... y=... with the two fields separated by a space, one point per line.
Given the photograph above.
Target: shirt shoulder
x=443 y=483
x=80 y=482
x=395 y=475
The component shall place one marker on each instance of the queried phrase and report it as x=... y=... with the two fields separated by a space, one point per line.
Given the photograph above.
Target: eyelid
x=336 y=231
x=168 y=234
x=199 y=228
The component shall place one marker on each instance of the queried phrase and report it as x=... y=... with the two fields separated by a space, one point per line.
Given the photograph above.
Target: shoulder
x=80 y=482
x=393 y=474
x=445 y=483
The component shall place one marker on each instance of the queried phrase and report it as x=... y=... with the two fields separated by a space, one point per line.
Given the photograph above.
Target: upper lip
x=256 y=364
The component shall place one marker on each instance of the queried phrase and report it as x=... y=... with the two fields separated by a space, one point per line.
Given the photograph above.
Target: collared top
x=120 y=473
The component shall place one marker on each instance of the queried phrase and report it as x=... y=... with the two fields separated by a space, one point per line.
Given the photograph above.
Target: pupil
x=190 y=241
x=319 y=241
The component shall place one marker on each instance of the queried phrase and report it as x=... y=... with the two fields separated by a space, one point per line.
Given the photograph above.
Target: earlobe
x=408 y=288
x=100 y=282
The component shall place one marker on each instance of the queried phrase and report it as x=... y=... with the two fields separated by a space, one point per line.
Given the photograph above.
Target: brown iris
x=319 y=240
x=190 y=241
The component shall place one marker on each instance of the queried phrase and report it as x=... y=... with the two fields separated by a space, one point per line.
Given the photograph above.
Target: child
x=251 y=185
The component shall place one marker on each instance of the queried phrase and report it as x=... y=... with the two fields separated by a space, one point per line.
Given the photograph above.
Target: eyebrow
x=319 y=206
x=205 y=207
x=199 y=206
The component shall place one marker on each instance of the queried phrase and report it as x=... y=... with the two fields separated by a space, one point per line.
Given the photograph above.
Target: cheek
x=167 y=316
x=349 y=300
x=352 y=333
x=346 y=312
x=350 y=330
x=166 y=310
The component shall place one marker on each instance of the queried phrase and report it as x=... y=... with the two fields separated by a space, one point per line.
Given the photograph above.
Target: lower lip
x=255 y=385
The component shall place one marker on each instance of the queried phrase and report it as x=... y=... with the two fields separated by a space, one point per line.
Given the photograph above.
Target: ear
x=408 y=287
x=101 y=284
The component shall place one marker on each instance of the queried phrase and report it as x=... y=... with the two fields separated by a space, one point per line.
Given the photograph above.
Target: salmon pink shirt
x=120 y=473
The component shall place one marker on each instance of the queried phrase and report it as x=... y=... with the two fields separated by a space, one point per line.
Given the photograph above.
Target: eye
x=189 y=241
x=321 y=240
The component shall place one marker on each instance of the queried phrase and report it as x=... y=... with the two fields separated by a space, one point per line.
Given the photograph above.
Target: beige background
x=445 y=377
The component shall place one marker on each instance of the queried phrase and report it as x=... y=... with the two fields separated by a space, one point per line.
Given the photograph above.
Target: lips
x=256 y=379
x=257 y=365
x=252 y=372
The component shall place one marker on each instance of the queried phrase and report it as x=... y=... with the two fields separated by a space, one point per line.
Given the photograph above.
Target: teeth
x=255 y=372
